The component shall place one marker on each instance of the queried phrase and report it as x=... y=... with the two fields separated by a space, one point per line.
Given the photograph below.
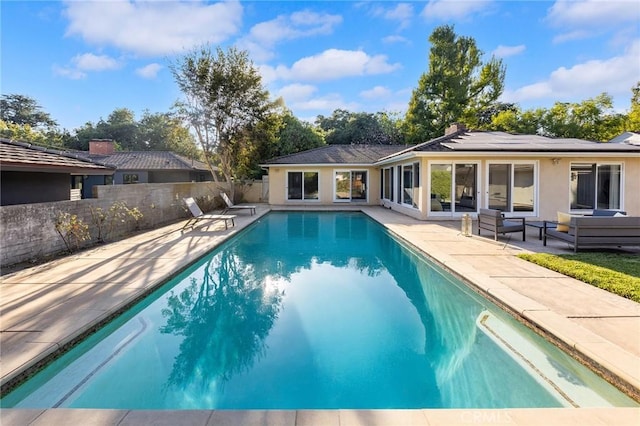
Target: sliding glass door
x=512 y=187
x=454 y=187
x=350 y=185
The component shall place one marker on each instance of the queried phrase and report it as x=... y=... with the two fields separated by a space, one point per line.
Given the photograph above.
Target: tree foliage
x=295 y=136
x=153 y=132
x=222 y=97
x=25 y=111
x=458 y=87
x=345 y=127
x=633 y=118
x=592 y=119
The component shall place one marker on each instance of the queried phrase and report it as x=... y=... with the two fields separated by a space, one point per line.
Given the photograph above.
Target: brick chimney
x=101 y=147
x=455 y=127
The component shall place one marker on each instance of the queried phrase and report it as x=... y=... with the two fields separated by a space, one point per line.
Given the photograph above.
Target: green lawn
x=614 y=272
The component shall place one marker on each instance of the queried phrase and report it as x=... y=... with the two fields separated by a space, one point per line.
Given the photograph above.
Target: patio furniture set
x=604 y=228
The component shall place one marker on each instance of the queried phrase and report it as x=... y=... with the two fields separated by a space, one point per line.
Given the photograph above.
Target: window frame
x=452 y=164
x=536 y=186
x=302 y=186
x=596 y=165
x=351 y=172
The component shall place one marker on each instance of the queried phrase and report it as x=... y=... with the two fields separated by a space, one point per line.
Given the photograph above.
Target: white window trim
x=401 y=200
x=350 y=200
x=536 y=182
x=453 y=163
x=598 y=163
x=302 y=200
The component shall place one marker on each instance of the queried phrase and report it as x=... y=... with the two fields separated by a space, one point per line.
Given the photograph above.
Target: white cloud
x=615 y=76
x=506 y=51
x=297 y=92
x=80 y=64
x=395 y=39
x=572 y=35
x=263 y=37
x=593 y=13
x=376 y=93
x=327 y=104
x=401 y=13
x=68 y=72
x=91 y=62
x=153 y=28
x=454 y=9
x=580 y=19
x=149 y=71
x=334 y=64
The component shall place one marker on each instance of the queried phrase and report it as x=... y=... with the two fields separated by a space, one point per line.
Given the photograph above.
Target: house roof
x=148 y=160
x=22 y=156
x=478 y=141
x=339 y=154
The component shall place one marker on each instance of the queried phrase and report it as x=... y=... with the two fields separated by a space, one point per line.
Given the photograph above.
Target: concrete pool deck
x=44 y=308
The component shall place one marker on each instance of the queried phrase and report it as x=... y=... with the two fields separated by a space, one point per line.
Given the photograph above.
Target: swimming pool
x=314 y=310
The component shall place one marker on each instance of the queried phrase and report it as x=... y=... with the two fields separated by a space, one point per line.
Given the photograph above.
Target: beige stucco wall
x=278 y=186
x=552 y=183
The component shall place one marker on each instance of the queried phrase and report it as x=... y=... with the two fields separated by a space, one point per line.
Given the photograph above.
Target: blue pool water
x=314 y=310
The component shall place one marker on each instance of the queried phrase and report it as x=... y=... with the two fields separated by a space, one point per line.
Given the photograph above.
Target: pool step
x=568 y=389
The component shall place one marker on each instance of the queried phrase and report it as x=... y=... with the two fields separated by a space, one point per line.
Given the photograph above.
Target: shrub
x=72 y=230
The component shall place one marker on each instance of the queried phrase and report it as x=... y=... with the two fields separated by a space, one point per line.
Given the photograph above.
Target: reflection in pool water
x=314 y=310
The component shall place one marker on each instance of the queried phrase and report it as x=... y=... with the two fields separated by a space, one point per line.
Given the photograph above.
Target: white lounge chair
x=231 y=206
x=198 y=215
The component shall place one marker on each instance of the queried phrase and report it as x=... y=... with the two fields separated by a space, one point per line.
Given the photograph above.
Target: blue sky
x=82 y=59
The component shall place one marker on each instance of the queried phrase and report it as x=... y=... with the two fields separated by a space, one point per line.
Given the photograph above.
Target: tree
x=457 y=88
x=591 y=119
x=344 y=127
x=163 y=132
x=295 y=136
x=223 y=96
x=633 y=118
x=25 y=111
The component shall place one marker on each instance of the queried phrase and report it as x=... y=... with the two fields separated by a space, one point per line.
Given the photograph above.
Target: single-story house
x=140 y=167
x=34 y=174
x=523 y=175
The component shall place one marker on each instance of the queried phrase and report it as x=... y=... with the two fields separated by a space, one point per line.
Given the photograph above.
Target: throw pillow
x=619 y=214
x=563 y=222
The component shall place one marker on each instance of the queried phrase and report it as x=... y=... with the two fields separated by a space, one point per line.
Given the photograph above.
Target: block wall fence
x=27 y=231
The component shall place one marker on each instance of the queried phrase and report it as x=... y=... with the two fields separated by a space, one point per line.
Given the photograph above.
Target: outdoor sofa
x=595 y=231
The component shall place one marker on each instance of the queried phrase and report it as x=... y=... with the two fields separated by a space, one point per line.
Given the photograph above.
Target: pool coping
x=594 y=347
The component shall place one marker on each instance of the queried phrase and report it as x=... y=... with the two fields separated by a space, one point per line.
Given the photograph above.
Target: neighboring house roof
x=22 y=156
x=338 y=154
x=632 y=138
x=148 y=160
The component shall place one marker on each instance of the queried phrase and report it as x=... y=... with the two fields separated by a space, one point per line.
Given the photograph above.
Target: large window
x=454 y=187
x=411 y=184
x=512 y=187
x=350 y=185
x=302 y=185
x=595 y=186
x=387 y=184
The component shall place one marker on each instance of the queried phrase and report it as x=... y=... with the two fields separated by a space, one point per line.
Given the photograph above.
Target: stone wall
x=27 y=231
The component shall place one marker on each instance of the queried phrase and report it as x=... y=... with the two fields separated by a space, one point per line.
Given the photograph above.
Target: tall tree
x=633 y=118
x=295 y=136
x=163 y=132
x=457 y=86
x=223 y=95
x=23 y=110
x=344 y=127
